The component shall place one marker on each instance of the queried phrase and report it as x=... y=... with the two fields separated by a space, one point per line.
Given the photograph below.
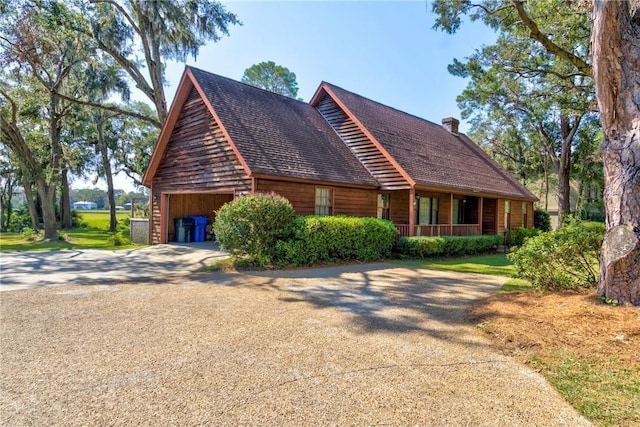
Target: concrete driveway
x=354 y=345
x=23 y=270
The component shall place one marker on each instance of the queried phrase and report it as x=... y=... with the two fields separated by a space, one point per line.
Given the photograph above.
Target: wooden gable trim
x=187 y=82
x=215 y=116
x=313 y=181
x=184 y=88
x=316 y=98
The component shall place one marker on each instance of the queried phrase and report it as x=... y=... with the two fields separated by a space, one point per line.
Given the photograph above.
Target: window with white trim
x=324 y=201
x=384 y=203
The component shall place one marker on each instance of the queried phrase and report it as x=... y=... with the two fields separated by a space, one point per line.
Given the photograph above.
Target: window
x=384 y=202
x=324 y=201
x=456 y=211
x=525 y=223
x=426 y=210
x=507 y=215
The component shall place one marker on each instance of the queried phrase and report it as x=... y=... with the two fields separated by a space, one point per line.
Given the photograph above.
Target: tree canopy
x=274 y=78
x=67 y=72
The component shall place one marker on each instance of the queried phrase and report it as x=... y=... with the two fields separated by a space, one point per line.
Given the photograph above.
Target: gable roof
x=273 y=135
x=429 y=153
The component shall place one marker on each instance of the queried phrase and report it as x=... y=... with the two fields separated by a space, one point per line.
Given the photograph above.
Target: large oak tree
x=616 y=70
x=615 y=37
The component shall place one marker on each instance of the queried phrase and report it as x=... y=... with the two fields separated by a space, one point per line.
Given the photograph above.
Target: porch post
x=152 y=206
x=164 y=228
x=481 y=208
x=450 y=214
x=412 y=217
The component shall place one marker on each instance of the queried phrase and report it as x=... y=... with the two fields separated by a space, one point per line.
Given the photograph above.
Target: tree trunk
x=31 y=204
x=47 y=194
x=564 y=184
x=616 y=54
x=106 y=164
x=3 y=222
x=65 y=202
x=568 y=129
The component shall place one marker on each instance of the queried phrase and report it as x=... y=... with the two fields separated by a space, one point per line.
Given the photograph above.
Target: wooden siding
x=346 y=201
x=399 y=207
x=198 y=158
x=301 y=196
x=516 y=214
x=530 y=215
x=489 y=216
x=363 y=148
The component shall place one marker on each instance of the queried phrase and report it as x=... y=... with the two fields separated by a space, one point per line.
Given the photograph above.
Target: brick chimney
x=451 y=124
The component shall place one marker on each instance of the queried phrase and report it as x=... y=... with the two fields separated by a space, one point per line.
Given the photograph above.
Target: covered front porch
x=430 y=213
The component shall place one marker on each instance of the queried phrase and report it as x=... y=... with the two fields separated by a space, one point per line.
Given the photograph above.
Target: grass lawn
x=93 y=234
x=495 y=264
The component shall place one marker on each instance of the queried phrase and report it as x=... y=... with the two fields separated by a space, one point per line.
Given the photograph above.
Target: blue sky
x=384 y=50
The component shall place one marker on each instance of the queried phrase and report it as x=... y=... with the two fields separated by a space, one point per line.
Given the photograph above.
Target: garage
x=182 y=205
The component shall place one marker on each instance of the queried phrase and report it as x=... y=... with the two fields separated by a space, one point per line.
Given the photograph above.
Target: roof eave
x=475 y=192
x=314 y=181
x=182 y=93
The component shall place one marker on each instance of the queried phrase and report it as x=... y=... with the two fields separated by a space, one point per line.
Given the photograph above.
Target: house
x=85 y=205
x=339 y=154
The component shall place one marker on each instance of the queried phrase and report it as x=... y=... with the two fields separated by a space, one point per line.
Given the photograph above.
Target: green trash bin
x=183 y=229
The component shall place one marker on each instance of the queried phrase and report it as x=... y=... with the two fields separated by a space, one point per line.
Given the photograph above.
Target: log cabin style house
x=339 y=154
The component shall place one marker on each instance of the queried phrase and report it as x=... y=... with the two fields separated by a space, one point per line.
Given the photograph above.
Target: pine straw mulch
x=589 y=350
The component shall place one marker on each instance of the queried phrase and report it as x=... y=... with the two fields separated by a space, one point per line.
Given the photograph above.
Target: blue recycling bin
x=198 y=229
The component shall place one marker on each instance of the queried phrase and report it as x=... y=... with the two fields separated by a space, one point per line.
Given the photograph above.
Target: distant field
x=100 y=219
x=93 y=234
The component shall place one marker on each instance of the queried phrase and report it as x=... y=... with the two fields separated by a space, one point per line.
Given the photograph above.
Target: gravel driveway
x=23 y=270
x=374 y=344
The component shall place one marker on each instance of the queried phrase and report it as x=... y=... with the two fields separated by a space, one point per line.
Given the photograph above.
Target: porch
x=431 y=213
x=440 y=230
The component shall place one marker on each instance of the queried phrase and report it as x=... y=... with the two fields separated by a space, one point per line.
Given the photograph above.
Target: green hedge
x=251 y=225
x=320 y=239
x=428 y=247
x=567 y=258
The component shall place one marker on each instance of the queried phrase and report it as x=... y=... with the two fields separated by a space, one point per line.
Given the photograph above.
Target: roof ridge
x=245 y=84
x=387 y=106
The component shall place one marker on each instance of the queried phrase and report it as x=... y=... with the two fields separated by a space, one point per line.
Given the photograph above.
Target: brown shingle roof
x=430 y=154
x=280 y=136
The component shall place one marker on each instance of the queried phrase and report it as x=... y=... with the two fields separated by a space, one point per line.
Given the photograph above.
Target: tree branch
x=114 y=109
x=550 y=46
x=121 y=10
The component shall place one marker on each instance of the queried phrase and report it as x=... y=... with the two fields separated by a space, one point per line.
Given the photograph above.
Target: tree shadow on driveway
x=382 y=297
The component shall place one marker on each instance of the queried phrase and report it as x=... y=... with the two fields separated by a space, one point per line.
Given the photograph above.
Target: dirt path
x=354 y=345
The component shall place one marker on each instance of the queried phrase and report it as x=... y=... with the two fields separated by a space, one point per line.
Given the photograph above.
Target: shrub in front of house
x=567 y=258
x=541 y=219
x=252 y=225
x=431 y=247
x=321 y=239
x=518 y=236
